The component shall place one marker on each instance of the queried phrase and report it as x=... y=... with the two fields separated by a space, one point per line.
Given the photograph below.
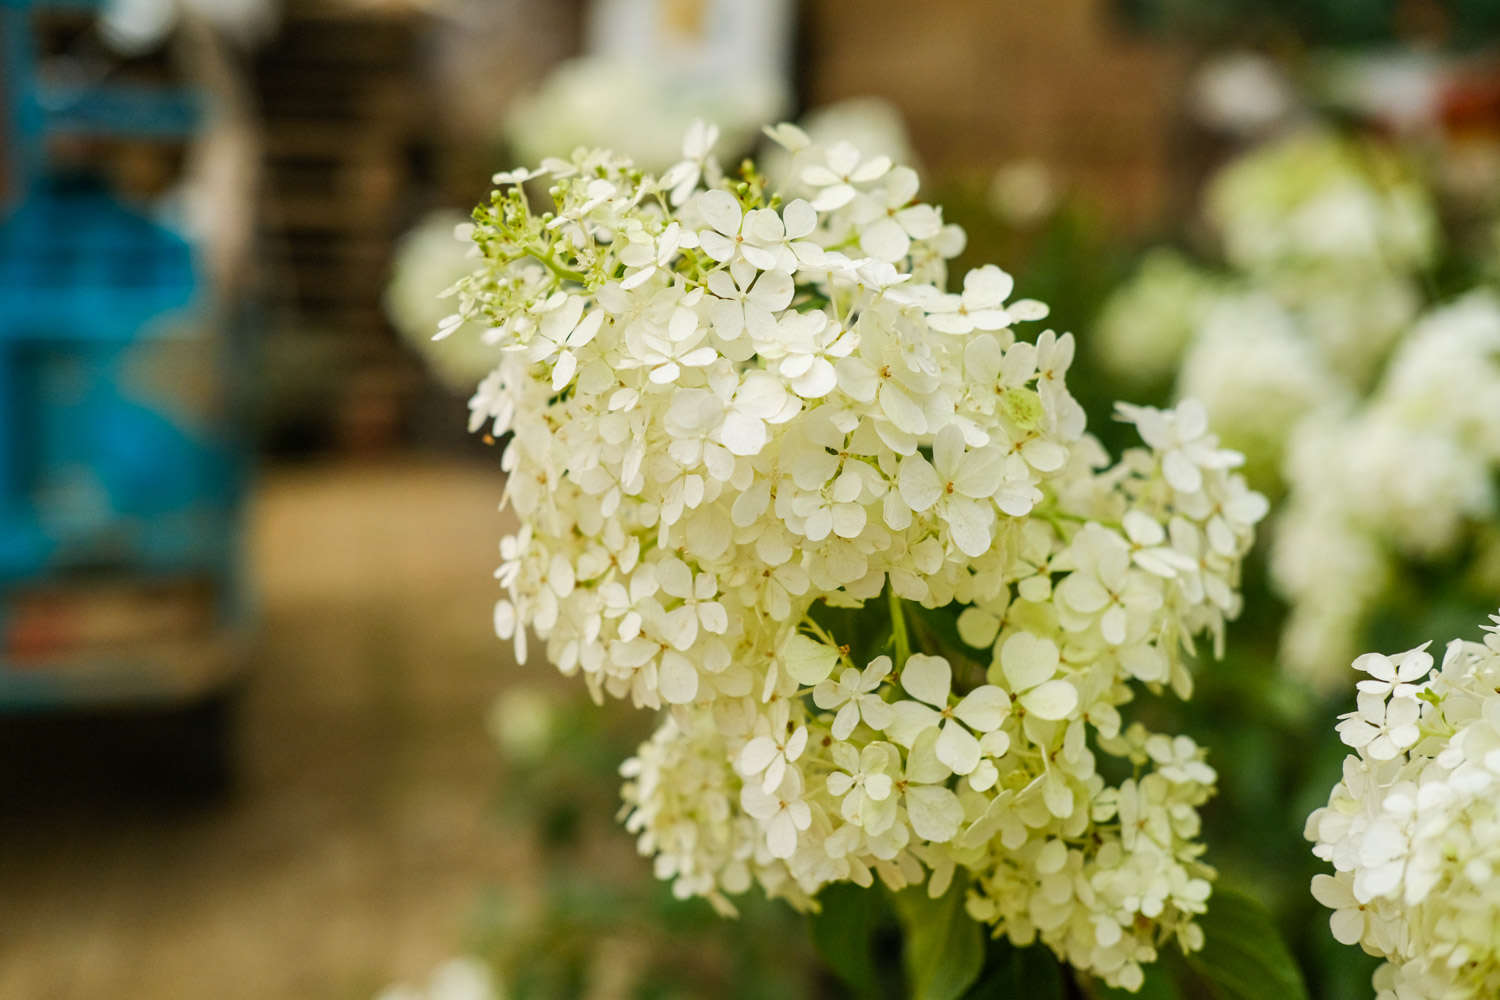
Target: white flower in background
x=1242 y=92
x=1375 y=422
x=1146 y=324
x=1332 y=231
x=1413 y=828
x=1023 y=193
x=523 y=721
x=716 y=440
x=643 y=112
x=1314 y=198
x=1406 y=477
x=429 y=260
x=696 y=163
x=1258 y=378
x=456 y=979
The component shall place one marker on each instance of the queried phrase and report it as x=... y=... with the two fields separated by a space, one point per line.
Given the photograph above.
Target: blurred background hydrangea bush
x=259 y=738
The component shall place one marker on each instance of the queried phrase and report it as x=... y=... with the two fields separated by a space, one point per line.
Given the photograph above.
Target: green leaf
x=843 y=932
x=1032 y=973
x=944 y=946
x=1243 y=957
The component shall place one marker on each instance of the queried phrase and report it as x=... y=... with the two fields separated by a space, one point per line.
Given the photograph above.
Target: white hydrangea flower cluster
x=1148 y=322
x=738 y=415
x=1407 y=477
x=1261 y=378
x=1320 y=199
x=1413 y=828
x=1323 y=238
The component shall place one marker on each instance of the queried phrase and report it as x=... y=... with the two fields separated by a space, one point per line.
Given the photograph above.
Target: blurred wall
x=375 y=111
x=982 y=82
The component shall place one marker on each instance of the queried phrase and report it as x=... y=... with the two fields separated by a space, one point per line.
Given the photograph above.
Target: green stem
x=549 y=261
x=828 y=640
x=898 y=628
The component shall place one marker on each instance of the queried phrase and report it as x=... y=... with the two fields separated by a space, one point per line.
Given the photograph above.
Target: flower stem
x=898 y=628
x=551 y=263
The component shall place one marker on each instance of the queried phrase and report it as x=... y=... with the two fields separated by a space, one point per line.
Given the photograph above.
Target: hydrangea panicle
x=1413 y=827
x=731 y=409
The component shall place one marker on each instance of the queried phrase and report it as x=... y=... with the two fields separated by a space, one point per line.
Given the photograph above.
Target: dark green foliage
x=943 y=948
x=1244 y=957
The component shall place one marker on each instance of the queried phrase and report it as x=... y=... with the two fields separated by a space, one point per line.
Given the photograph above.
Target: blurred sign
x=721 y=40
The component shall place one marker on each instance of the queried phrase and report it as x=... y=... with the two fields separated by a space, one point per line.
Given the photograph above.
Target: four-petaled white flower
x=1382 y=728
x=842 y=169
x=1394 y=675
x=855 y=696
x=959 y=485
x=777 y=744
x=726 y=238
x=1029 y=666
x=747 y=300
x=781 y=810
x=929 y=680
x=864 y=783
x=889 y=219
x=980 y=307
x=697 y=147
x=1187 y=449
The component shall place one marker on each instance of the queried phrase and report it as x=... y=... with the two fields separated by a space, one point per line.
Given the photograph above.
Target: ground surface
x=362 y=828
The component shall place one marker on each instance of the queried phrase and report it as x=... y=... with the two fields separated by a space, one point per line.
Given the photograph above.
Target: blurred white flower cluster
x=1377 y=423
x=429 y=260
x=462 y=978
x=1407 y=477
x=733 y=410
x=1323 y=237
x=637 y=109
x=1413 y=829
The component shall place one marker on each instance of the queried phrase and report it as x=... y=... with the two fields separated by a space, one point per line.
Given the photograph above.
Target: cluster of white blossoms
x=740 y=417
x=1323 y=238
x=1406 y=477
x=1413 y=829
x=1374 y=420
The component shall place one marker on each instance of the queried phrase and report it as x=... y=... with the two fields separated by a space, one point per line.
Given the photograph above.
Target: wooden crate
x=338 y=93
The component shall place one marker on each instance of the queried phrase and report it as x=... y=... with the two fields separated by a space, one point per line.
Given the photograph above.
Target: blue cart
x=122 y=453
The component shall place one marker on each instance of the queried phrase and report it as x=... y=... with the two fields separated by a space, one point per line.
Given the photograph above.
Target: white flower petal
x=935 y=813
x=927 y=678
x=1052 y=701
x=983 y=708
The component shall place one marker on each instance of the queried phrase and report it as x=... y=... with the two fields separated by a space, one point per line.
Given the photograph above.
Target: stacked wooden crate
x=340 y=103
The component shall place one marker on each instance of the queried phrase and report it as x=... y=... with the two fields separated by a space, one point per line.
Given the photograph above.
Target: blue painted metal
x=38 y=109
x=119 y=456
